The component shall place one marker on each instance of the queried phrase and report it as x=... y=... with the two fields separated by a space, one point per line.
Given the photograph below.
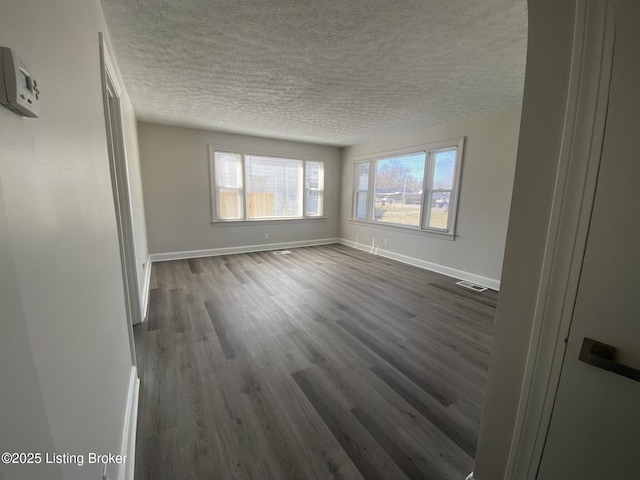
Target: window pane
x=439 y=214
x=314 y=175
x=444 y=170
x=398 y=189
x=314 y=183
x=273 y=187
x=314 y=203
x=362 y=175
x=228 y=169
x=361 y=206
x=228 y=174
x=229 y=204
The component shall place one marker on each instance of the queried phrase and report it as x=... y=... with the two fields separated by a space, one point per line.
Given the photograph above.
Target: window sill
x=270 y=221
x=410 y=230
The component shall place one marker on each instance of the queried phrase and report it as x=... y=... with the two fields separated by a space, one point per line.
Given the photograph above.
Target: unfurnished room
x=319 y=240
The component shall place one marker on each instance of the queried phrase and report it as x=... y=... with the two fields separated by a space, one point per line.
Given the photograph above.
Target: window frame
x=319 y=189
x=430 y=150
x=216 y=188
x=357 y=190
x=242 y=189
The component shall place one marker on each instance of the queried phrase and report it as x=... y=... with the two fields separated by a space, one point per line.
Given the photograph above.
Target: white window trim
x=429 y=149
x=356 y=190
x=306 y=189
x=266 y=153
x=215 y=188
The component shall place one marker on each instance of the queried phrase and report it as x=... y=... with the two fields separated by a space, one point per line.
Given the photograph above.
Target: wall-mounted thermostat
x=18 y=90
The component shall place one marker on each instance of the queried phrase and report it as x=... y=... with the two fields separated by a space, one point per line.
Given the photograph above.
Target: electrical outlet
x=266 y=236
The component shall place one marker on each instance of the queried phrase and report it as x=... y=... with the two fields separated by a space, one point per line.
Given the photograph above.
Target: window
x=410 y=189
x=228 y=174
x=314 y=189
x=398 y=189
x=259 y=187
x=361 y=192
x=441 y=183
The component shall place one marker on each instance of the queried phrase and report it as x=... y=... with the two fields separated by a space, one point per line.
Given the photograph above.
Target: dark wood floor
x=325 y=363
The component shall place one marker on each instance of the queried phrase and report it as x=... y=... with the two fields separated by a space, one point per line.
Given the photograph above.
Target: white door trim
x=120 y=186
x=129 y=428
x=574 y=192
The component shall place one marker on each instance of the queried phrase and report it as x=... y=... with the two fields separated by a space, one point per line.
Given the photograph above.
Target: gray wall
x=545 y=95
x=175 y=176
x=23 y=418
x=65 y=348
x=485 y=194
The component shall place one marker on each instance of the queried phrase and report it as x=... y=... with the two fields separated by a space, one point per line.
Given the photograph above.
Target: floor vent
x=471 y=286
x=282 y=252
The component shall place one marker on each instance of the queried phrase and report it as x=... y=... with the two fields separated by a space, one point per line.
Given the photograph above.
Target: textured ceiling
x=335 y=72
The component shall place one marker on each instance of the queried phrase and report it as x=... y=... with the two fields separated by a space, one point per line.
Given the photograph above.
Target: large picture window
x=417 y=190
x=398 y=189
x=259 y=187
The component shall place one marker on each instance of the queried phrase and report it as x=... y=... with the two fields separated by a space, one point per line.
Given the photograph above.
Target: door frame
x=573 y=198
x=120 y=186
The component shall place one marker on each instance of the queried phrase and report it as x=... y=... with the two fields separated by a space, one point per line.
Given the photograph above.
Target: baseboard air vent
x=282 y=252
x=471 y=286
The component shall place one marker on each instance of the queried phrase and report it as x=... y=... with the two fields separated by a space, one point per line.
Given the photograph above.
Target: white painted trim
x=470 y=476
x=421 y=147
x=119 y=168
x=128 y=448
x=576 y=177
x=491 y=283
x=269 y=221
x=213 y=252
x=108 y=66
x=146 y=288
x=117 y=161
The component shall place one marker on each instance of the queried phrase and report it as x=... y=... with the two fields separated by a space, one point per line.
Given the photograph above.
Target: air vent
x=282 y=252
x=471 y=286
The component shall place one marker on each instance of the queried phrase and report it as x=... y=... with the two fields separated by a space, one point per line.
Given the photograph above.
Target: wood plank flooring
x=327 y=363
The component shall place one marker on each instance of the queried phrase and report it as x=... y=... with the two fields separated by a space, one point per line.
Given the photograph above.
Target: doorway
x=120 y=186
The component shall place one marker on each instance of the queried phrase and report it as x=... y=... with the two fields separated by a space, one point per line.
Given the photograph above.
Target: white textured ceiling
x=335 y=72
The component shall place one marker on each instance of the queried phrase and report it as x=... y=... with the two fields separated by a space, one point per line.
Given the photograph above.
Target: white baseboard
x=126 y=469
x=145 y=289
x=491 y=283
x=213 y=252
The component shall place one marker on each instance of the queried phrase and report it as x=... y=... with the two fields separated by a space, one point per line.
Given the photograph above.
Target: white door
x=595 y=426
